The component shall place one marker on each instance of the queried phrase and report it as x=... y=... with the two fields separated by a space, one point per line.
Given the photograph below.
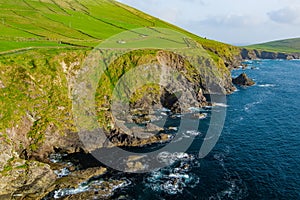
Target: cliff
x=252 y=54
x=43 y=48
x=37 y=118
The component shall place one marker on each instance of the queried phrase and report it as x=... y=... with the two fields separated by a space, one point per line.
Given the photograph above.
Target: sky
x=237 y=22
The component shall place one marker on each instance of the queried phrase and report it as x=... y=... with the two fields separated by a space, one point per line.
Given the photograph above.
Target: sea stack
x=243 y=80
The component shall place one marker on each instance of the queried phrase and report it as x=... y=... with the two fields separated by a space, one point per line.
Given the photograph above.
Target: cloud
x=231 y=20
x=285 y=15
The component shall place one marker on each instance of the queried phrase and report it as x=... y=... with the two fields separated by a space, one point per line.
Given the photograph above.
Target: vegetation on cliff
x=282 y=46
x=43 y=45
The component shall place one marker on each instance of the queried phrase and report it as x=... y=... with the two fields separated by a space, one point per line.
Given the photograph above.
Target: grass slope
x=43 y=43
x=78 y=23
x=284 y=46
x=37 y=36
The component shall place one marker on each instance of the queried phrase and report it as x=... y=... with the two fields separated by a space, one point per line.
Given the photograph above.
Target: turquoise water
x=258 y=154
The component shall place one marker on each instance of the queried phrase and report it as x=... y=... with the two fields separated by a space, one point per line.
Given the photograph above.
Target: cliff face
x=36 y=109
x=247 y=54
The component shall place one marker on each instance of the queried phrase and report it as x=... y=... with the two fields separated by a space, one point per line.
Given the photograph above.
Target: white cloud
x=287 y=15
x=231 y=21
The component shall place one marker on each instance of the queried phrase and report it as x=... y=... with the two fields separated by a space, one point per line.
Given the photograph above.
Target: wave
x=221 y=105
x=195 y=109
x=110 y=188
x=193 y=133
x=203 y=116
x=189 y=134
x=165 y=110
x=164 y=114
x=56 y=157
x=62 y=172
x=267 y=85
x=170 y=158
x=236 y=187
x=66 y=192
x=174 y=179
x=251 y=105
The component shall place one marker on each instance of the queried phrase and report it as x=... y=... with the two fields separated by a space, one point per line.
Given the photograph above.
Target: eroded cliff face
x=247 y=54
x=36 y=110
x=186 y=89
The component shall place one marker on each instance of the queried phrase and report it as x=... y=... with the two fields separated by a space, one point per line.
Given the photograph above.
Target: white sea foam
x=170 y=158
x=56 y=157
x=62 y=173
x=251 y=105
x=221 y=105
x=267 y=85
x=164 y=114
x=108 y=186
x=208 y=107
x=173 y=180
x=193 y=133
x=203 y=116
x=165 y=110
x=66 y=192
x=188 y=134
x=194 y=109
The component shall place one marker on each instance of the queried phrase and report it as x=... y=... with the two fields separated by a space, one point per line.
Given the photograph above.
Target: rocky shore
x=44 y=125
x=247 y=54
x=27 y=171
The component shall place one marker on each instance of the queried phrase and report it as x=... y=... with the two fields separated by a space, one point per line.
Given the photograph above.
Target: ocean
x=257 y=155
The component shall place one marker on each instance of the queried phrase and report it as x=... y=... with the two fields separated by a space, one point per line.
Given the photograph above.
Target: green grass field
x=284 y=46
x=44 y=43
x=79 y=23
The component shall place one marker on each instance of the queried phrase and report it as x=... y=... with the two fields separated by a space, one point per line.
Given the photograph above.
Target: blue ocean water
x=262 y=132
x=256 y=157
x=258 y=153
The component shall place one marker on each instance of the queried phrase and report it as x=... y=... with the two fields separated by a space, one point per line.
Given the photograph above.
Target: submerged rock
x=135 y=164
x=243 y=80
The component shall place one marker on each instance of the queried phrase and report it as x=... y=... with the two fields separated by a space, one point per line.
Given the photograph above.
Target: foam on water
x=66 y=192
x=189 y=134
x=174 y=179
x=221 y=105
x=170 y=158
x=62 y=172
x=195 y=109
x=193 y=133
x=108 y=187
x=251 y=105
x=267 y=85
x=56 y=157
x=256 y=157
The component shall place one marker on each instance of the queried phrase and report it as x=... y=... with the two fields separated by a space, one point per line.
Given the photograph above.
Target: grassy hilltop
x=283 y=46
x=43 y=45
x=38 y=35
x=77 y=23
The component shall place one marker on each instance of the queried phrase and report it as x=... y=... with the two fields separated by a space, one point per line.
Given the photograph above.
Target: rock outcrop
x=37 y=119
x=243 y=80
x=26 y=180
x=247 y=54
